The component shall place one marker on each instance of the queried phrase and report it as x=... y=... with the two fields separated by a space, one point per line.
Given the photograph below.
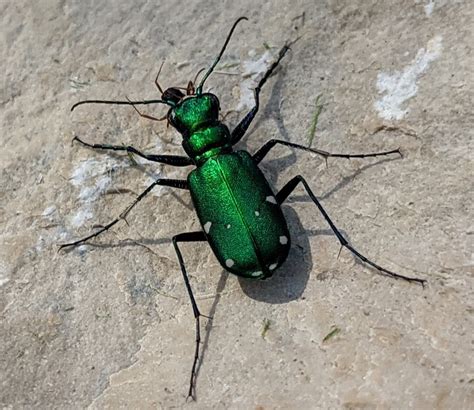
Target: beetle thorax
x=196 y=118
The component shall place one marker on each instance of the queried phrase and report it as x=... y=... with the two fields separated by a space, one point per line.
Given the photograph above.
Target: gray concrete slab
x=109 y=325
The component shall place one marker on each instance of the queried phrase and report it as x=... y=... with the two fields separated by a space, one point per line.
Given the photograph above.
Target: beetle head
x=172 y=95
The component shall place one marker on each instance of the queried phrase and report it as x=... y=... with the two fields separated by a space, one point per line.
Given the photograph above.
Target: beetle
x=240 y=214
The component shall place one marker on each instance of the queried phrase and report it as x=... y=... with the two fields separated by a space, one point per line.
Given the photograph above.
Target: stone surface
x=110 y=324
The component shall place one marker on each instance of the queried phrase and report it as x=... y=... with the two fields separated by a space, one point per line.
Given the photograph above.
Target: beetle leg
x=175 y=160
x=289 y=188
x=191 y=237
x=263 y=151
x=175 y=183
x=244 y=124
x=156 y=79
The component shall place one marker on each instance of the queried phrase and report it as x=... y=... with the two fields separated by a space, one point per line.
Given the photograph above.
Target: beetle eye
x=172 y=95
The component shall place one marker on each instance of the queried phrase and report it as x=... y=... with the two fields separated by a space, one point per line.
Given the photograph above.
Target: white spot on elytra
x=255 y=274
x=402 y=85
x=273 y=266
x=207 y=226
x=228 y=226
x=257 y=213
x=271 y=199
x=283 y=240
x=229 y=263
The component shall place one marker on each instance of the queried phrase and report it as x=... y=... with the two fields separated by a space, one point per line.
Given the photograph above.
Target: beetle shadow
x=345 y=180
x=212 y=311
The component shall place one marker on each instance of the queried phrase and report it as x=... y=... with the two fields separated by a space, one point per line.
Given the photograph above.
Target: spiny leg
x=244 y=124
x=289 y=188
x=263 y=151
x=175 y=160
x=191 y=237
x=175 y=183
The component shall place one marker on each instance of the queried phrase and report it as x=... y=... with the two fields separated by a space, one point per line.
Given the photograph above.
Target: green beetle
x=240 y=215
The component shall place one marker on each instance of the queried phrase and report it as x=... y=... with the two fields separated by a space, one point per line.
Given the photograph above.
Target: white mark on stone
x=252 y=69
x=255 y=274
x=3 y=275
x=207 y=226
x=402 y=85
x=271 y=199
x=228 y=226
x=49 y=211
x=3 y=280
x=86 y=170
x=158 y=190
x=429 y=8
x=83 y=214
x=100 y=175
x=257 y=213
x=229 y=263
x=92 y=193
x=283 y=240
x=273 y=266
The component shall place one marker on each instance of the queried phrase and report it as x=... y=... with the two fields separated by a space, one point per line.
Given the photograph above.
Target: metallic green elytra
x=240 y=215
x=238 y=211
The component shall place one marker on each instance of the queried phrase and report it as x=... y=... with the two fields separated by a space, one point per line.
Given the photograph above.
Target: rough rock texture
x=110 y=324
